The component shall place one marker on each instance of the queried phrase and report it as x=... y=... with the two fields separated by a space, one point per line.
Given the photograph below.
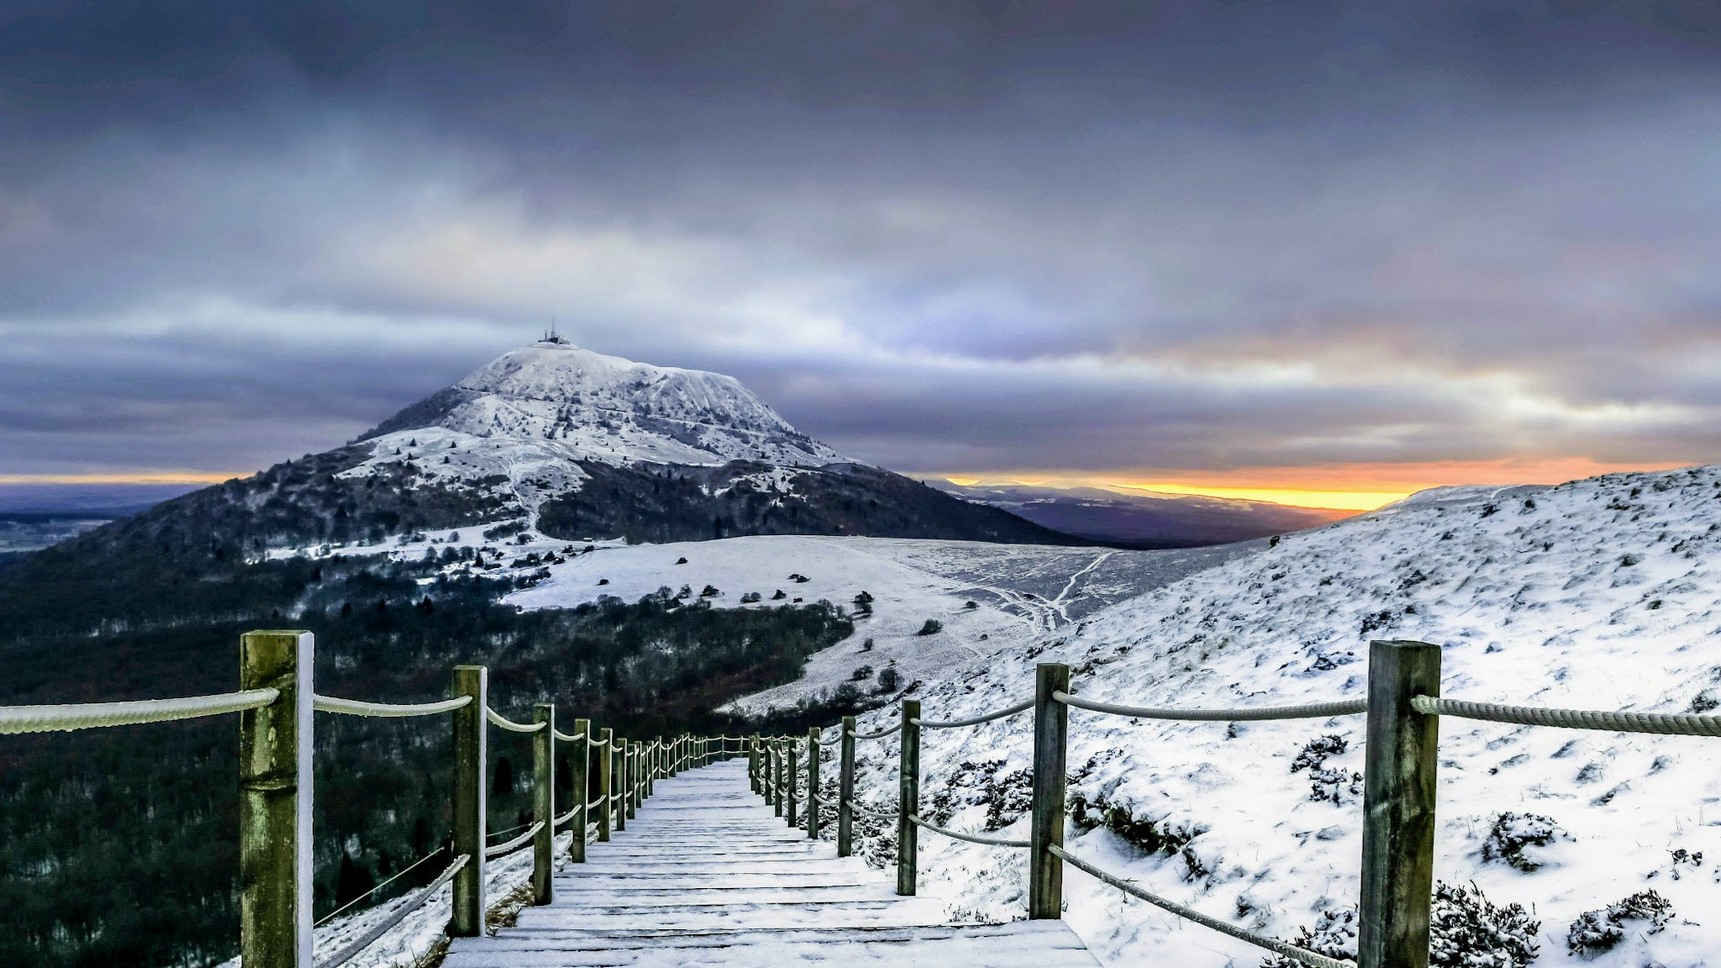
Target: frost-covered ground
x=407 y=943
x=1599 y=594
x=1603 y=593
x=1020 y=592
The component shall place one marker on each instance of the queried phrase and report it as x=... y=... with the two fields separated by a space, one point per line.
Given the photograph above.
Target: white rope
x=882 y=732
x=60 y=719
x=346 y=954
x=1271 y=944
x=564 y=818
x=491 y=853
x=1319 y=710
x=564 y=737
x=977 y=720
x=596 y=803
x=508 y=724
x=1671 y=724
x=384 y=710
x=971 y=838
x=409 y=869
x=880 y=814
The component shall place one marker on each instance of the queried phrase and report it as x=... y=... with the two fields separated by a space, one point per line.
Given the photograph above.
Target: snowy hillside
x=532 y=411
x=1603 y=593
x=1019 y=593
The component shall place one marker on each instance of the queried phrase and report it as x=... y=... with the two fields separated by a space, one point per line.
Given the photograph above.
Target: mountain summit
x=585 y=405
x=580 y=446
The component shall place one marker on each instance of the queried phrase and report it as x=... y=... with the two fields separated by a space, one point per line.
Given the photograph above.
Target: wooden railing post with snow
x=1398 y=806
x=606 y=763
x=794 y=777
x=753 y=762
x=1051 y=734
x=908 y=805
x=275 y=801
x=777 y=783
x=846 y=790
x=579 y=766
x=618 y=798
x=543 y=801
x=630 y=792
x=469 y=805
x=813 y=783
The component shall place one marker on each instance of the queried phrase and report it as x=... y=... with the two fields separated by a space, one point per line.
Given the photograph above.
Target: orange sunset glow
x=1350 y=487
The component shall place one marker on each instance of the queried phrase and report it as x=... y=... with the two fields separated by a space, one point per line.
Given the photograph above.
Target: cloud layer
x=1136 y=241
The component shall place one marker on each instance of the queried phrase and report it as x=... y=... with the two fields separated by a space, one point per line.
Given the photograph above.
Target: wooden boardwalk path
x=707 y=875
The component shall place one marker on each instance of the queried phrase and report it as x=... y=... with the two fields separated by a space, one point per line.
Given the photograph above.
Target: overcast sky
x=1327 y=245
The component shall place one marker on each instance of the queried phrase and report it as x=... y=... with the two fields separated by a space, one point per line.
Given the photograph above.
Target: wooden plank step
x=708 y=876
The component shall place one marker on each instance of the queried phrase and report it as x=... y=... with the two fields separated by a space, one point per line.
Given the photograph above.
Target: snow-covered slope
x=1604 y=593
x=988 y=598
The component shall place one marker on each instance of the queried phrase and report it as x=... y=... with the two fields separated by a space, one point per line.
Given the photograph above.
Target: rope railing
x=1020 y=707
x=1398 y=828
x=503 y=833
x=491 y=853
x=277 y=738
x=386 y=710
x=971 y=838
x=95 y=715
x=370 y=937
x=1274 y=945
x=498 y=719
x=1665 y=724
x=879 y=814
x=337 y=912
x=1318 y=710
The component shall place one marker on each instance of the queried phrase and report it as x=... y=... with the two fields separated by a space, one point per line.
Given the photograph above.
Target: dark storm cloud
x=988 y=235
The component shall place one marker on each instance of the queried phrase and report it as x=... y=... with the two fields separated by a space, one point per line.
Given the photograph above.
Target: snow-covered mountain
x=1603 y=593
x=582 y=447
x=573 y=403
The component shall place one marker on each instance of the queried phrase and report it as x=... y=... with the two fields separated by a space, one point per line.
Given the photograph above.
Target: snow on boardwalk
x=707 y=875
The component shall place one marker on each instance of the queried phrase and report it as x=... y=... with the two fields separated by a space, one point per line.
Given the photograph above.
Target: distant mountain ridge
x=1144 y=519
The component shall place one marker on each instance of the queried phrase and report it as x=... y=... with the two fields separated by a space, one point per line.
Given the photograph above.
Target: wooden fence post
x=794 y=777
x=813 y=783
x=753 y=762
x=543 y=801
x=470 y=772
x=908 y=787
x=580 y=763
x=642 y=769
x=275 y=801
x=619 y=804
x=777 y=778
x=606 y=763
x=630 y=766
x=1051 y=734
x=1398 y=806
x=846 y=790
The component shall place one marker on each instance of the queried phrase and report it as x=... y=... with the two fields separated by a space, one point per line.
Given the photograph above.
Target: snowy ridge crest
x=531 y=414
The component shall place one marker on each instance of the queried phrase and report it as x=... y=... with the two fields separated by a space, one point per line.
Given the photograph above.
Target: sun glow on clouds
x=1356 y=487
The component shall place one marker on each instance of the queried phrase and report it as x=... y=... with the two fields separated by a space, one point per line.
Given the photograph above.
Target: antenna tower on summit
x=551 y=336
